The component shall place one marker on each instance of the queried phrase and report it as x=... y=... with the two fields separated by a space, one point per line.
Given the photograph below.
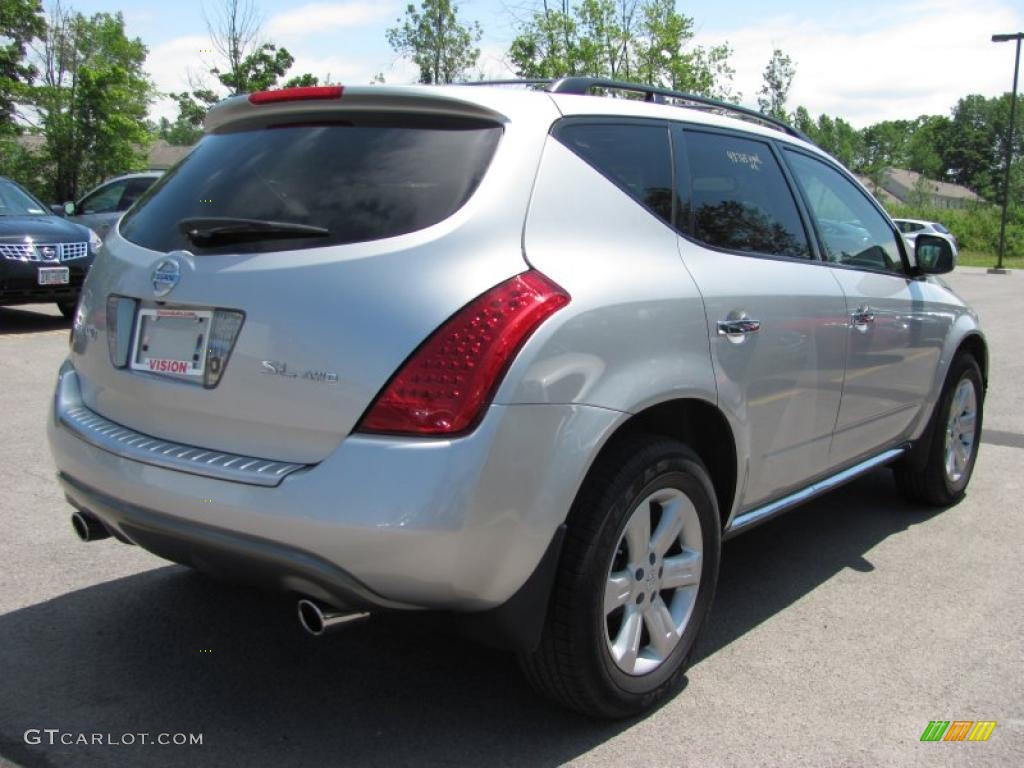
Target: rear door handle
x=738 y=330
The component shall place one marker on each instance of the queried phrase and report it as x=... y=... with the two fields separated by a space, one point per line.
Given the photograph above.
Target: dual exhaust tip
x=315 y=617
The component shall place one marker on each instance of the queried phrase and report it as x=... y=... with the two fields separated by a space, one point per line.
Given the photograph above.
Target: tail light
x=120 y=316
x=444 y=386
x=223 y=333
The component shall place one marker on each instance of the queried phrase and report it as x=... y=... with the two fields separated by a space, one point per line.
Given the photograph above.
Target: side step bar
x=756 y=516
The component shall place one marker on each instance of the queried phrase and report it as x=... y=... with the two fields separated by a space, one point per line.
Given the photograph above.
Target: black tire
x=67 y=308
x=922 y=478
x=573 y=664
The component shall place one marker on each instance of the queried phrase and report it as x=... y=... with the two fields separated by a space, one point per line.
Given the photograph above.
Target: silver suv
x=520 y=357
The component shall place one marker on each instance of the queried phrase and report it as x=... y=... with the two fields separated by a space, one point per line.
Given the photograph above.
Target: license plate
x=54 y=276
x=171 y=341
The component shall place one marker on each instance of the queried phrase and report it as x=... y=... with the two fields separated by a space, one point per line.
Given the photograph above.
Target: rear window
x=362 y=179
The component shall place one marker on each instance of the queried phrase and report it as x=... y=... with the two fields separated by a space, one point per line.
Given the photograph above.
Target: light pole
x=1009 y=142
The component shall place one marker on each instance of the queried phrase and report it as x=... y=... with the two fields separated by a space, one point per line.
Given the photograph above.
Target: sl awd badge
x=166 y=275
x=279 y=368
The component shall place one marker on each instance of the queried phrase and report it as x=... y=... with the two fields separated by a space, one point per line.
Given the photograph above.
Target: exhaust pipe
x=87 y=527
x=319 y=619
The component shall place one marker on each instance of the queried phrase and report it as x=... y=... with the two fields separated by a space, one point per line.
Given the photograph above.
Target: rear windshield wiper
x=212 y=230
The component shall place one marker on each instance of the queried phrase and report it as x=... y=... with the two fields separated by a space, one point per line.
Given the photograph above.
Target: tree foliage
x=89 y=98
x=20 y=22
x=432 y=36
x=243 y=62
x=967 y=148
x=648 y=41
x=778 y=78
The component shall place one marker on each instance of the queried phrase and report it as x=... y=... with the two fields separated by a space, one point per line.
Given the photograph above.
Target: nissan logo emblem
x=165 y=276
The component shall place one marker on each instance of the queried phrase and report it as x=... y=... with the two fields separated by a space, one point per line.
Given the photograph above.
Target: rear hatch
x=340 y=232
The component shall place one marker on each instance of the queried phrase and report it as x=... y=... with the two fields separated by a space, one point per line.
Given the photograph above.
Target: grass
x=986 y=259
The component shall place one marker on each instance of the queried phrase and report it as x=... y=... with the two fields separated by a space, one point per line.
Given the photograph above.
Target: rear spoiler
x=325 y=100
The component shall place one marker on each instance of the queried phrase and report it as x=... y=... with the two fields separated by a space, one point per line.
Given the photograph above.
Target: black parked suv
x=43 y=257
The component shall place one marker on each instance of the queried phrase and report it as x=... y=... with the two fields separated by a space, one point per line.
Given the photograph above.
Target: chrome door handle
x=862 y=318
x=737 y=330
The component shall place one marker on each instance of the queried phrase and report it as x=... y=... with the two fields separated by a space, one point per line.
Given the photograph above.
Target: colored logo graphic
x=165 y=277
x=958 y=730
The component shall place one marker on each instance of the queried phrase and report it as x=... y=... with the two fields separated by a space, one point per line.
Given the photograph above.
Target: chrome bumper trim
x=129 y=444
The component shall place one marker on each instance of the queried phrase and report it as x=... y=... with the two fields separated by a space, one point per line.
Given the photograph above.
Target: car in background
x=102 y=206
x=43 y=257
x=911 y=228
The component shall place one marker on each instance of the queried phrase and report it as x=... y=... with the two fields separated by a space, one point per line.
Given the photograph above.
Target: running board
x=759 y=515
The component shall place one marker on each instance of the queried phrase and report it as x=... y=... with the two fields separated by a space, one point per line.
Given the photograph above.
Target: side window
x=103 y=200
x=133 y=191
x=851 y=228
x=636 y=158
x=739 y=199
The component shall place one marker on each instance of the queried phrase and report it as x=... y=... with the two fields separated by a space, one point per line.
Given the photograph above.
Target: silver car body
x=268 y=465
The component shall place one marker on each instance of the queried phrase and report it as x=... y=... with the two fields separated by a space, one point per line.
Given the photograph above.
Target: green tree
x=437 y=42
x=974 y=152
x=778 y=79
x=20 y=22
x=926 y=145
x=91 y=98
x=302 y=81
x=668 y=59
x=834 y=135
x=545 y=46
x=243 y=62
x=645 y=40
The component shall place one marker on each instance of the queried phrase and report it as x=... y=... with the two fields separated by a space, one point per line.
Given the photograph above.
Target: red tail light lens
x=443 y=388
x=304 y=93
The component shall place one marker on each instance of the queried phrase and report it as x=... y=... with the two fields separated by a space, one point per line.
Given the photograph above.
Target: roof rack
x=581 y=86
x=511 y=81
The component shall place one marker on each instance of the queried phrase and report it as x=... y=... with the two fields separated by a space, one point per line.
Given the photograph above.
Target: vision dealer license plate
x=171 y=341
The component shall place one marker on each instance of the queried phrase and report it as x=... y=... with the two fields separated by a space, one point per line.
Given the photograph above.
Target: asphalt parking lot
x=839 y=631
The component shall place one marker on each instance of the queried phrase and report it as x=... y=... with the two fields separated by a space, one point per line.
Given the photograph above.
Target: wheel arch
x=701 y=426
x=974 y=345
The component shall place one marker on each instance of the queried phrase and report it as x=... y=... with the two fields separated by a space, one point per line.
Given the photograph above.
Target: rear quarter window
x=363 y=178
x=636 y=158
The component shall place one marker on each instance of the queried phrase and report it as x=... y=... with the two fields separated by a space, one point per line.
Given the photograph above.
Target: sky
x=864 y=61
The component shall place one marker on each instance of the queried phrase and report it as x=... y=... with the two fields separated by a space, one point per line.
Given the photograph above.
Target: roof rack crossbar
x=581 y=86
x=511 y=81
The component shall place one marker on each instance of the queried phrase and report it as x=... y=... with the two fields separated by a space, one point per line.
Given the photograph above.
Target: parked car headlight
x=95 y=241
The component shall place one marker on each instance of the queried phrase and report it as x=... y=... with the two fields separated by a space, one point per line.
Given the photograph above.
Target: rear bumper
x=383 y=521
x=231 y=554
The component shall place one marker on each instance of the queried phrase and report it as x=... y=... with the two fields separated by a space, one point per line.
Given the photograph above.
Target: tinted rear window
x=362 y=179
x=636 y=158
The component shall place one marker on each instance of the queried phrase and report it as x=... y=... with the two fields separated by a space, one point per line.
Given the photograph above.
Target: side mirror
x=57 y=210
x=934 y=255
x=69 y=209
